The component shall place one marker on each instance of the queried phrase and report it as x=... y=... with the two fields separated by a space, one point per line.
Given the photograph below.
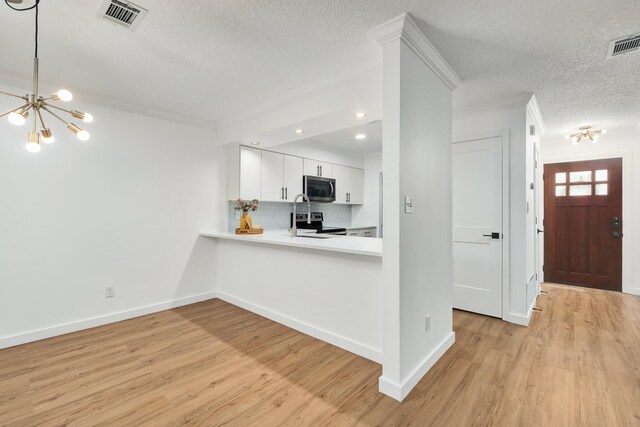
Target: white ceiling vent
x=123 y=13
x=622 y=46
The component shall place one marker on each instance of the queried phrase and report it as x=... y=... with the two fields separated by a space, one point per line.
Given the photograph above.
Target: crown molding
x=534 y=110
x=510 y=103
x=404 y=28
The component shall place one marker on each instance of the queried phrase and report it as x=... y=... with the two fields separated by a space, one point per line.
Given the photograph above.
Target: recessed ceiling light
x=255 y=143
x=360 y=136
x=299 y=131
x=360 y=115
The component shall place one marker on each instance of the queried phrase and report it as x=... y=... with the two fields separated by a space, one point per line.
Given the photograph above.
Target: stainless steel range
x=317 y=219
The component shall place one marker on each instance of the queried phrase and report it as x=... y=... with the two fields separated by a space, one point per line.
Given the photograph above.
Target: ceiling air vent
x=123 y=13
x=620 y=47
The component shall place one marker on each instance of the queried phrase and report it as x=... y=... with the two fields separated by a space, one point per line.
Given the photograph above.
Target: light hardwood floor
x=212 y=363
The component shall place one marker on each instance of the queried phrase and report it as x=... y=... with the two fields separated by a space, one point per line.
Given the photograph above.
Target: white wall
x=511 y=120
x=123 y=210
x=417 y=262
x=368 y=215
x=332 y=296
x=611 y=146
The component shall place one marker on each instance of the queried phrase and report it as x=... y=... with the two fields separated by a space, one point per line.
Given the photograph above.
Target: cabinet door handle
x=318 y=170
x=282 y=193
x=286 y=193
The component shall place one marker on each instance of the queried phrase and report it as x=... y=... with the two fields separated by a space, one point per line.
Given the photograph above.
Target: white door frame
x=506 y=235
x=627 y=208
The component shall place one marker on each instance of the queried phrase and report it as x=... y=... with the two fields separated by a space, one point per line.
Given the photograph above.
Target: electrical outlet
x=427 y=323
x=109 y=292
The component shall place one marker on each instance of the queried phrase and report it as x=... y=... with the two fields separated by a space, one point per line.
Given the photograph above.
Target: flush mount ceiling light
x=35 y=104
x=361 y=136
x=585 y=132
x=256 y=143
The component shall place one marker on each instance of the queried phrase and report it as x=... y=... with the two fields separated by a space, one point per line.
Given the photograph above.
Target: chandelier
x=585 y=132
x=35 y=104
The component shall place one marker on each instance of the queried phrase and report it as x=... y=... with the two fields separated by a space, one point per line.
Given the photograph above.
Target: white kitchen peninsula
x=329 y=288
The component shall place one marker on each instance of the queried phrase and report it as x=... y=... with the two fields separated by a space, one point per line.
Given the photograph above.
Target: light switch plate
x=408 y=204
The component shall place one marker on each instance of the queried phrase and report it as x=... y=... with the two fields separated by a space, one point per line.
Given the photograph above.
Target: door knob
x=539 y=231
x=616 y=234
x=615 y=222
x=493 y=235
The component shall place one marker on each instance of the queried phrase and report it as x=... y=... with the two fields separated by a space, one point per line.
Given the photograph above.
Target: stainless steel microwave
x=319 y=189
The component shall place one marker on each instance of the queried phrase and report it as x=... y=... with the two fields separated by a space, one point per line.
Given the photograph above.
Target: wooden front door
x=583 y=223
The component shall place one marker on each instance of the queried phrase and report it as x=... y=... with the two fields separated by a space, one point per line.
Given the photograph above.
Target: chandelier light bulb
x=62 y=95
x=47 y=136
x=88 y=118
x=33 y=143
x=83 y=135
x=33 y=147
x=603 y=131
x=18 y=119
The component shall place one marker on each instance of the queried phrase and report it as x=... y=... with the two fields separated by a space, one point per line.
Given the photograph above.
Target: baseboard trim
x=348 y=344
x=519 y=319
x=92 y=322
x=634 y=291
x=400 y=391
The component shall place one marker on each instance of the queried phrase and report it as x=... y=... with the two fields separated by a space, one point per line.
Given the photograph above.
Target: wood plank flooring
x=215 y=364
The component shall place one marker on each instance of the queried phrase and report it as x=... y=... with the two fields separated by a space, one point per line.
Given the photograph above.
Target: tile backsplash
x=275 y=215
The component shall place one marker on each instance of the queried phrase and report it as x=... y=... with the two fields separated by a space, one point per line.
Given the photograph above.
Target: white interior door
x=477 y=226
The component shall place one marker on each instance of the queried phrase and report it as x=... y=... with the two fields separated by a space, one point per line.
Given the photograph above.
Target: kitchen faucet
x=294 y=228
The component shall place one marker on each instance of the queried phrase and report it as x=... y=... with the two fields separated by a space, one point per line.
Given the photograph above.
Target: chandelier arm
x=11 y=94
x=55 y=115
x=57 y=108
x=14 y=110
x=41 y=119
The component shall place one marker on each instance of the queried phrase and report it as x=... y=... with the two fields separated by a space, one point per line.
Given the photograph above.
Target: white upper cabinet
x=293 y=172
x=272 y=176
x=317 y=168
x=245 y=173
x=281 y=177
x=277 y=177
x=349 y=185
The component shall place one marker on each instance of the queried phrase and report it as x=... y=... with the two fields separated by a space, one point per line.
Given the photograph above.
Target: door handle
x=539 y=231
x=616 y=234
x=493 y=235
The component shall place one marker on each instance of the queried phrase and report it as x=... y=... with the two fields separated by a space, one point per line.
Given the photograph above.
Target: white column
x=417 y=263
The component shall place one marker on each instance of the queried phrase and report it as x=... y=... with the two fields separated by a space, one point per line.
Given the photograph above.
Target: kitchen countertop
x=345 y=244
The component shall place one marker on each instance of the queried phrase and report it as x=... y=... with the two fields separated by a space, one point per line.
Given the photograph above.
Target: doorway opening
x=583 y=223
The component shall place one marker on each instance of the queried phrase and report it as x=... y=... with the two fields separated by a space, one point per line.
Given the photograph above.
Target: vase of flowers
x=246 y=206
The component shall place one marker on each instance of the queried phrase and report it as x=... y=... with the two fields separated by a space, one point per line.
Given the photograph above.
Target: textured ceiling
x=207 y=59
